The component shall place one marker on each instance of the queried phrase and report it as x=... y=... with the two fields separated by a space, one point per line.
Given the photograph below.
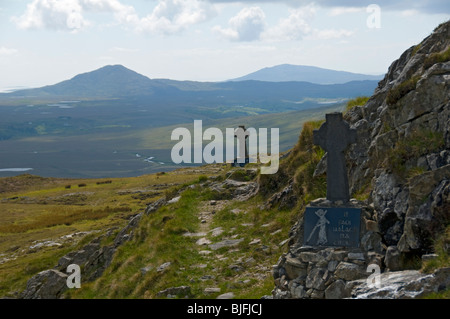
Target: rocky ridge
x=403 y=147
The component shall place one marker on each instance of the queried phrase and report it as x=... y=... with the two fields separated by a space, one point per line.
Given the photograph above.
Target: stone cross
x=242 y=135
x=334 y=136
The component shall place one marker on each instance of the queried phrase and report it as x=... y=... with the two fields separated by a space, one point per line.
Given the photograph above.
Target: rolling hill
x=119 y=82
x=289 y=72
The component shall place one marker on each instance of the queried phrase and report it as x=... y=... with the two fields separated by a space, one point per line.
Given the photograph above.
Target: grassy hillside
x=42 y=210
x=42 y=219
x=243 y=269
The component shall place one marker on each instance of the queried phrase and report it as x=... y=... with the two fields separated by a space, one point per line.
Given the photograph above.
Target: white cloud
x=294 y=27
x=247 y=25
x=173 y=16
x=168 y=16
x=52 y=14
x=337 y=11
x=297 y=26
x=7 y=51
x=409 y=12
x=122 y=13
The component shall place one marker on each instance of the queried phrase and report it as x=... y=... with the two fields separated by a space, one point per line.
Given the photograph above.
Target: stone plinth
x=321 y=271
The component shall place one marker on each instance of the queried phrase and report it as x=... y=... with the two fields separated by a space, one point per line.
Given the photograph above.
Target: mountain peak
x=107 y=81
x=111 y=71
x=114 y=68
x=110 y=80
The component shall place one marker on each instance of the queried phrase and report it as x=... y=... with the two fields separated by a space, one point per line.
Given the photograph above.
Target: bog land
x=99 y=139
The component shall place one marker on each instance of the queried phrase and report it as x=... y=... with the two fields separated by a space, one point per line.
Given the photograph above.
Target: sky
x=43 y=42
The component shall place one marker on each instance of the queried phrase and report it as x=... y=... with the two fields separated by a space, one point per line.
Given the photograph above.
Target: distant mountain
x=116 y=81
x=110 y=80
x=289 y=72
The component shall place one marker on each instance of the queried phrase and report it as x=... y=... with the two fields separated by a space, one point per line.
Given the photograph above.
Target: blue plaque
x=332 y=226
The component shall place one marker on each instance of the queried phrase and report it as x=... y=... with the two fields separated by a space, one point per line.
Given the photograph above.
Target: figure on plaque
x=321 y=226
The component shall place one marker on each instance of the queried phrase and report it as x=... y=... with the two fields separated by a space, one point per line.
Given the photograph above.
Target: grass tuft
x=399 y=91
x=419 y=142
x=442 y=249
x=438 y=57
x=358 y=101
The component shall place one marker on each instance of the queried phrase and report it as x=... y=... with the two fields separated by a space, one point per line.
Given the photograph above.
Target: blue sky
x=43 y=42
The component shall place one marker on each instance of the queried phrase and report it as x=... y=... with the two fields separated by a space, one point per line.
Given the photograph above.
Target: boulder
x=295 y=268
x=425 y=218
x=163 y=266
x=337 y=290
x=298 y=291
x=372 y=241
x=349 y=271
x=48 y=284
x=174 y=291
x=227 y=295
x=226 y=243
x=316 y=278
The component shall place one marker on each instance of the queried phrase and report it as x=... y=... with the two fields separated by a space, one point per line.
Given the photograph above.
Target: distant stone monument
x=334 y=136
x=337 y=225
x=242 y=135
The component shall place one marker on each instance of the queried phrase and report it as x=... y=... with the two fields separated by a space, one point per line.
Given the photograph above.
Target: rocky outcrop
x=286 y=198
x=402 y=160
x=405 y=284
x=402 y=153
x=93 y=259
x=230 y=188
x=48 y=284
